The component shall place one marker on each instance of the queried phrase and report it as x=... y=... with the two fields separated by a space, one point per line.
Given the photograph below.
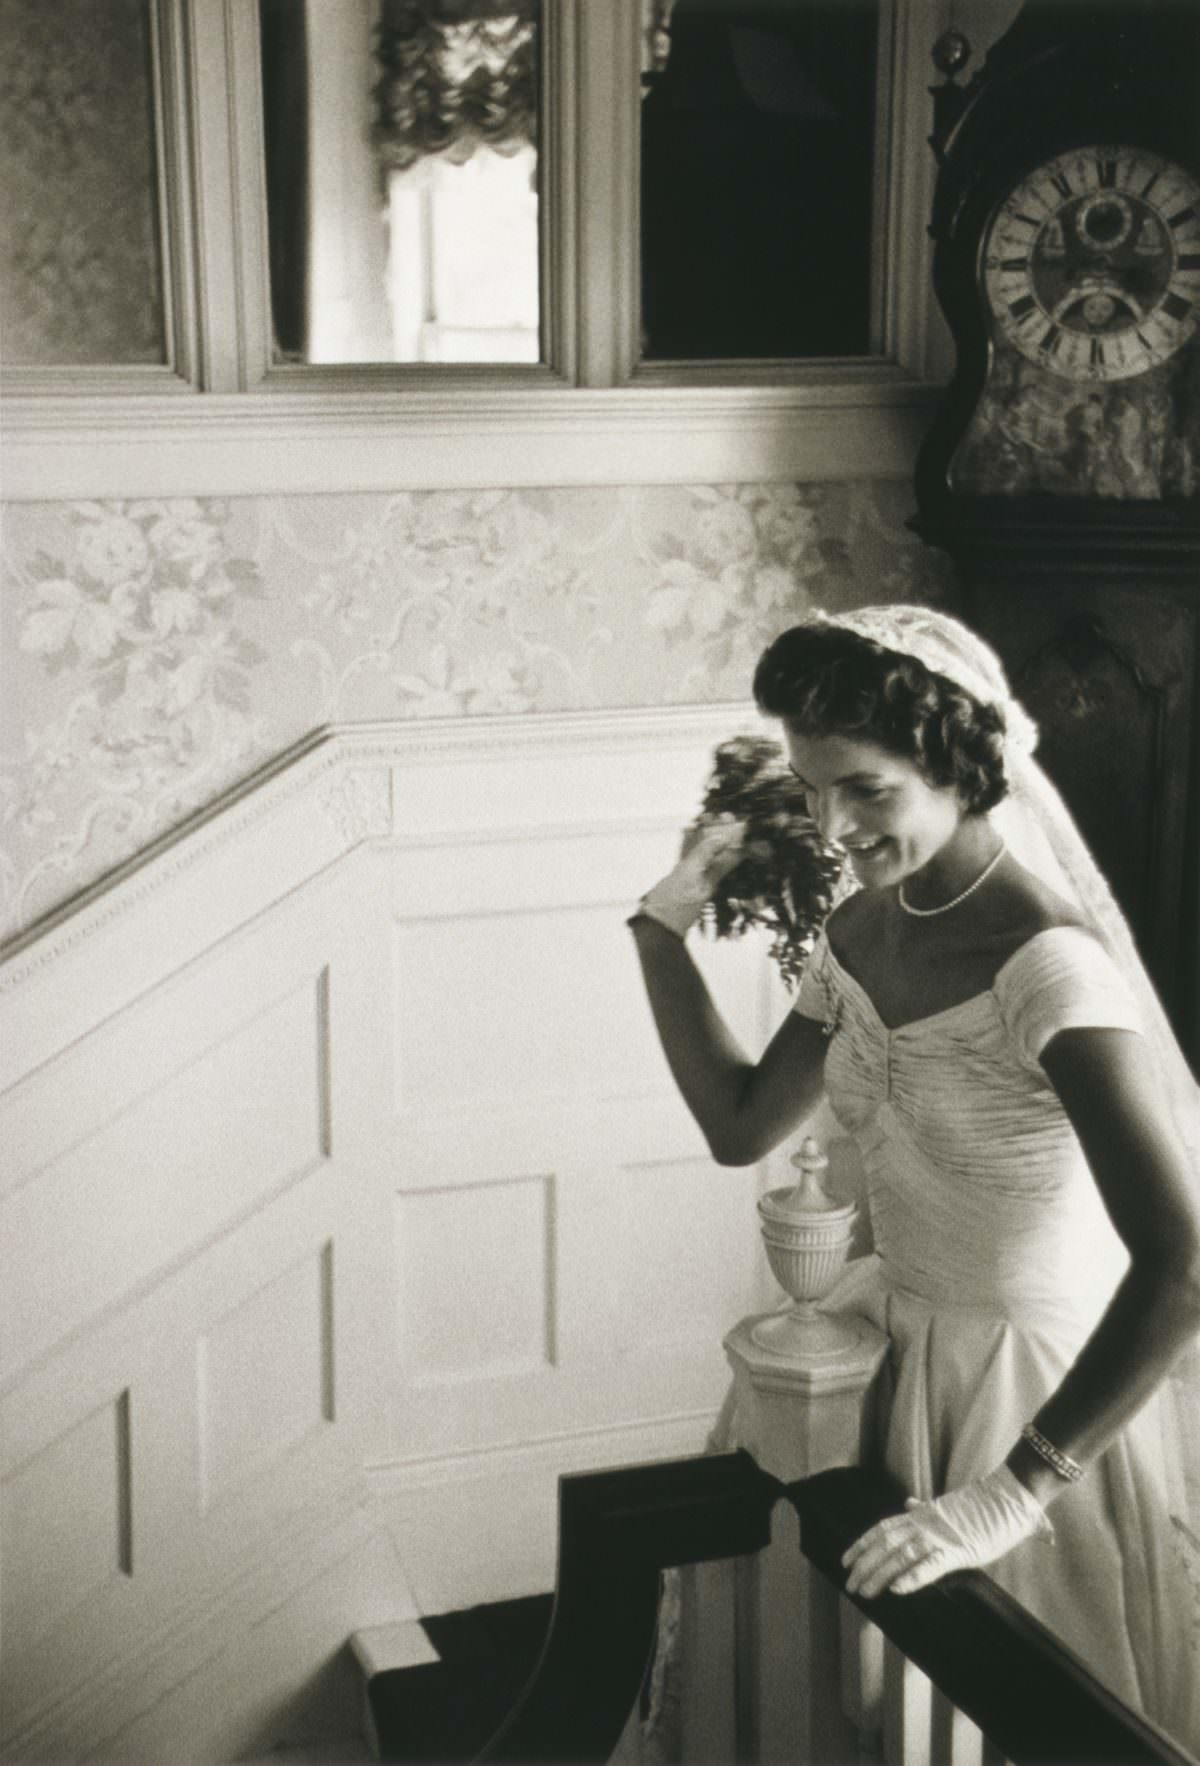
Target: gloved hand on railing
x=963 y=1530
x=710 y=851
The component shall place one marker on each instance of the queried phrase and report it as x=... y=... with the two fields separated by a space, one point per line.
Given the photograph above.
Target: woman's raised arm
x=743 y=1107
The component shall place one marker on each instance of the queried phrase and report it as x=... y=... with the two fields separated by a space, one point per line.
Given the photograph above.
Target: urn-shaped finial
x=807 y=1234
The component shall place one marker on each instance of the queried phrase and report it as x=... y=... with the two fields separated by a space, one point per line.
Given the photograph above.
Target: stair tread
x=404 y=1643
x=504 y=1626
x=444 y=1710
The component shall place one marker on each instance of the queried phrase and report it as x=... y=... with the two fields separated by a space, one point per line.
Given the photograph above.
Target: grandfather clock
x=1062 y=471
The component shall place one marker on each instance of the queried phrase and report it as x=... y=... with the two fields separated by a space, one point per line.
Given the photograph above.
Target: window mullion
x=210 y=75
x=174 y=188
x=559 y=155
x=248 y=220
x=607 y=190
x=915 y=337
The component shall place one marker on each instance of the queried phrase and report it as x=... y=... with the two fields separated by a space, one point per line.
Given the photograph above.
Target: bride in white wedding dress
x=978 y=1018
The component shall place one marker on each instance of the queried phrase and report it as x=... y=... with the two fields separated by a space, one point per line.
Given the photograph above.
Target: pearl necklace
x=928 y=913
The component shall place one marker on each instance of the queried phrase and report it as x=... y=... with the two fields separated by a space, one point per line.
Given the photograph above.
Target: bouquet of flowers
x=788 y=879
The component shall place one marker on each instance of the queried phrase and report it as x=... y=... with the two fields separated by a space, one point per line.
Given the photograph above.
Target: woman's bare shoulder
x=852 y=921
x=1024 y=905
x=849 y=911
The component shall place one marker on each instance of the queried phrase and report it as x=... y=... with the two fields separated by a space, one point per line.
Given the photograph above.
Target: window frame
x=223 y=419
x=179 y=373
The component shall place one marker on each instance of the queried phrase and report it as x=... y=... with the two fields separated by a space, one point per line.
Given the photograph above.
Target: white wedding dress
x=993 y=1259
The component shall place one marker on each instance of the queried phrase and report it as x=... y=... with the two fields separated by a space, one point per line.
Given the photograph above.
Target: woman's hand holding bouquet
x=753 y=857
x=711 y=849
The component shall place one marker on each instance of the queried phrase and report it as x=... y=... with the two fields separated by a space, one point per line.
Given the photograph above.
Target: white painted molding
x=915 y=332
x=400 y=1480
x=334 y=1524
x=259 y=430
x=867 y=426
x=462 y=1515
x=403 y=1482
x=176 y=208
x=604 y=200
x=314 y=803
x=379 y=1649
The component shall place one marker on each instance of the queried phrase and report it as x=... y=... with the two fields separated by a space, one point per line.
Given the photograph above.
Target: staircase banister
x=1030 y=1695
x=617 y=1531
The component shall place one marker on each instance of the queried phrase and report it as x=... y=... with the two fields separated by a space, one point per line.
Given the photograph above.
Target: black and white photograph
x=600 y=882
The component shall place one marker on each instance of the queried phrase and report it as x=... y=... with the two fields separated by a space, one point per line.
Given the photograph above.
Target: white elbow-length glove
x=710 y=852
x=963 y=1530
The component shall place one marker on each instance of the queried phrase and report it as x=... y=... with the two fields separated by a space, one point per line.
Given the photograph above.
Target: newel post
x=766 y=1676
x=796 y=1414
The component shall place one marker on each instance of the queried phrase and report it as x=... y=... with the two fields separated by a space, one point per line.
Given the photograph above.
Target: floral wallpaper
x=154 y=653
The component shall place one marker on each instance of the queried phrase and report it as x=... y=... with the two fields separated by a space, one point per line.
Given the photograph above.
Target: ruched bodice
x=979 y=1192
x=993 y=1258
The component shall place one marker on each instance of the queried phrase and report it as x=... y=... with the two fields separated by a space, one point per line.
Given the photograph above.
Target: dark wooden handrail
x=1029 y=1694
x=618 y=1530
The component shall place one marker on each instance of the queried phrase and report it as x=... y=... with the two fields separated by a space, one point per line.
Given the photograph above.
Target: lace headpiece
x=946 y=647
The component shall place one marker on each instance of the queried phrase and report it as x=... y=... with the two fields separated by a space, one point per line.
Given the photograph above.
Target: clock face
x=1091 y=265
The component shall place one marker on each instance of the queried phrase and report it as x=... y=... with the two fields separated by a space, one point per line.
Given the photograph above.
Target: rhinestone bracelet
x=1063 y=1464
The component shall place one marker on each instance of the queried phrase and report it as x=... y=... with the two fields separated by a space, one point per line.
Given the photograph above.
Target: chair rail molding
x=336 y=788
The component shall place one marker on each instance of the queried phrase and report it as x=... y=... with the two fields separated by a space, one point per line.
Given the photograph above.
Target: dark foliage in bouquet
x=788 y=880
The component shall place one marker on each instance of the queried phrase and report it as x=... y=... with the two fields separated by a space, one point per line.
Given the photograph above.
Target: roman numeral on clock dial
x=1091 y=265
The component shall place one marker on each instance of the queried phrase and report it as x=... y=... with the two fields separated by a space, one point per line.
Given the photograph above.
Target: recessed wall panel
x=475 y=1271
x=162 y=1175
x=514 y=1004
x=517 y=1005
x=684 y=1253
x=265 y=1374
x=66 y=1523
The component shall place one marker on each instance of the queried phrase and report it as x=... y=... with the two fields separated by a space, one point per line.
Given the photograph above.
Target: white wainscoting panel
x=680 y=1236
x=265 y=1375
x=165 y=1170
x=345 y=1203
x=475 y=1272
x=67 y=1517
x=534 y=1107
x=186 y=1403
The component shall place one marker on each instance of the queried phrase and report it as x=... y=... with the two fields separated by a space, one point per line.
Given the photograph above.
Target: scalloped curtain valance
x=456 y=75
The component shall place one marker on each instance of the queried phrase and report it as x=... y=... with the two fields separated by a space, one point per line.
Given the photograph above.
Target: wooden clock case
x=1090 y=593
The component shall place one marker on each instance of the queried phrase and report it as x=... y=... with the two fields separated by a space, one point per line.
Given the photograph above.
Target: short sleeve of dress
x=1062 y=979
x=813 y=997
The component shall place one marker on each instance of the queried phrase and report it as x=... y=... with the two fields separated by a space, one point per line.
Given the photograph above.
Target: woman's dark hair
x=824 y=680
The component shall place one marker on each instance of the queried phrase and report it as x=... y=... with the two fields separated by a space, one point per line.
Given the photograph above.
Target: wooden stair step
x=437 y=1688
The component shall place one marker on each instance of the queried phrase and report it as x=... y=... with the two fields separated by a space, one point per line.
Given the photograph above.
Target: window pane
x=80 y=266
x=757 y=181
x=402 y=179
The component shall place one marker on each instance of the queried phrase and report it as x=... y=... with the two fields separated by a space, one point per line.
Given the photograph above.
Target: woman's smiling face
x=876 y=804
